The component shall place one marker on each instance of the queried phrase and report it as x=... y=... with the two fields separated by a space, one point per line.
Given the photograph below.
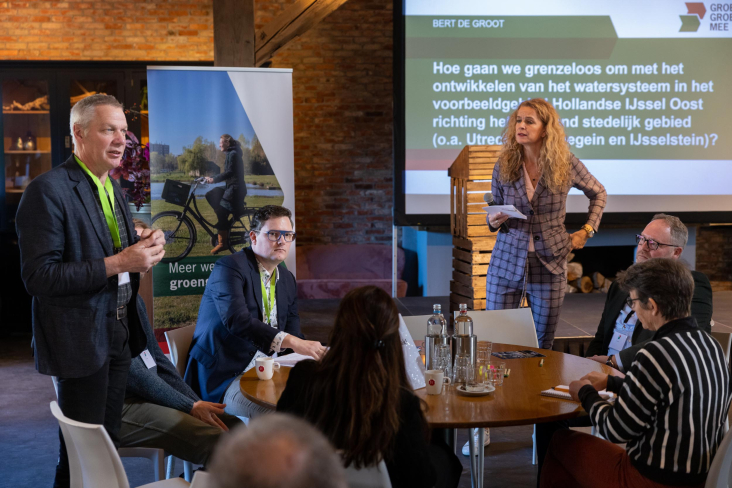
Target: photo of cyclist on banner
x=228 y=200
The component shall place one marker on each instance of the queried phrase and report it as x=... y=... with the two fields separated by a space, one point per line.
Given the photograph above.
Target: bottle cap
x=436 y=306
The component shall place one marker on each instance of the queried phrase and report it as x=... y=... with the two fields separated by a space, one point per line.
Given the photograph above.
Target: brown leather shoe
x=223 y=242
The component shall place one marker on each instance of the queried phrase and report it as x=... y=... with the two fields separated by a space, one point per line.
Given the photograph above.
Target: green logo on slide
x=691 y=22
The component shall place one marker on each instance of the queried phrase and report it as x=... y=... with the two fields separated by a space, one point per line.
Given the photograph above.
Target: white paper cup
x=266 y=367
x=435 y=378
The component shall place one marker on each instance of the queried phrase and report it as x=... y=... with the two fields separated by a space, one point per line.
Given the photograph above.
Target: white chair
x=201 y=479
x=371 y=477
x=179 y=342
x=720 y=473
x=93 y=459
x=157 y=456
x=510 y=326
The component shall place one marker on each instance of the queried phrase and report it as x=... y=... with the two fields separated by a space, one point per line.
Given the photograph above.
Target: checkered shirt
x=544 y=224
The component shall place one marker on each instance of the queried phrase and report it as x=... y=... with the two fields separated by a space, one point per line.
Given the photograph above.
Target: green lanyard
x=107 y=203
x=269 y=306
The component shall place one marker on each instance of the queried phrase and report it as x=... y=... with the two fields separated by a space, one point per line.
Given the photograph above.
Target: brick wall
x=342 y=83
x=714 y=255
x=96 y=31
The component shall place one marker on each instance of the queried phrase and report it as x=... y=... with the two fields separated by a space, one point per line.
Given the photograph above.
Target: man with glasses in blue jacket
x=248 y=310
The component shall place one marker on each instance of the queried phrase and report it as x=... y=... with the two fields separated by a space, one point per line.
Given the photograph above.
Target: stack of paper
x=562 y=391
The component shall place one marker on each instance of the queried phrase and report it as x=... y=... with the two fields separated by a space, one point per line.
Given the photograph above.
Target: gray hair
x=667 y=281
x=276 y=451
x=83 y=111
x=679 y=232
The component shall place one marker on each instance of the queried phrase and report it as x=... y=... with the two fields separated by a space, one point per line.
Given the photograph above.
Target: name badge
x=123 y=278
x=147 y=359
x=618 y=342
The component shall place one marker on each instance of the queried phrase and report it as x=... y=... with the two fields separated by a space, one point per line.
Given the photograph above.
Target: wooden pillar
x=233 y=33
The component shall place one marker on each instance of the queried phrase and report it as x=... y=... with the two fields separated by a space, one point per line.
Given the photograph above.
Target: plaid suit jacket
x=545 y=222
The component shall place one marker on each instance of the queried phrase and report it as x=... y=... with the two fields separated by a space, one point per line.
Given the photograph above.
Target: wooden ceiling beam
x=293 y=22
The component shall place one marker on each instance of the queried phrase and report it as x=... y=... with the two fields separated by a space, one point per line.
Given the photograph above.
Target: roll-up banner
x=233 y=125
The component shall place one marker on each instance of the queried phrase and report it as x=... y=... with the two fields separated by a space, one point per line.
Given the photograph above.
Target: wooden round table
x=516 y=402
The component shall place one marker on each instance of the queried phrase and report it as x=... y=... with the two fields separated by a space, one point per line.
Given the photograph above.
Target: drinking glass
x=462 y=369
x=484 y=370
x=476 y=380
x=443 y=359
x=498 y=376
x=485 y=348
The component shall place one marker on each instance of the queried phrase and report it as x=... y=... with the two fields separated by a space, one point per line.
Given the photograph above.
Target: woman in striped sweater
x=671 y=405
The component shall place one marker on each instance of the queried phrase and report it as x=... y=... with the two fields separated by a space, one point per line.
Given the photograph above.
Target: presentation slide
x=644 y=90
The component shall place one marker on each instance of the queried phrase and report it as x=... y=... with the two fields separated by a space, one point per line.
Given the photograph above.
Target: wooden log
x=572 y=289
x=598 y=280
x=586 y=284
x=606 y=286
x=570 y=257
x=574 y=271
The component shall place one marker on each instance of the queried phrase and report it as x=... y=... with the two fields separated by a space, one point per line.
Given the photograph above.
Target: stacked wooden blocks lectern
x=472 y=240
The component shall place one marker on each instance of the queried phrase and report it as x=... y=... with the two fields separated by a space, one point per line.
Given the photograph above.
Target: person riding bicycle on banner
x=231 y=199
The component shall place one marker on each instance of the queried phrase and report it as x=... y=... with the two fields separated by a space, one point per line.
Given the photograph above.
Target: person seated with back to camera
x=671 y=406
x=359 y=395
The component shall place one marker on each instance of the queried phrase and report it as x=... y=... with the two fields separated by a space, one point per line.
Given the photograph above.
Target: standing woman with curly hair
x=535 y=172
x=359 y=396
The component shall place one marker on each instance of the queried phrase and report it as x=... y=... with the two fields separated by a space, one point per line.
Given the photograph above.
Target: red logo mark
x=432 y=382
x=261 y=369
x=696 y=8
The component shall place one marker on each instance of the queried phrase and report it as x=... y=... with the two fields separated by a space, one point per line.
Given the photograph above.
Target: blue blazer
x=63 y=242
x=230 y=330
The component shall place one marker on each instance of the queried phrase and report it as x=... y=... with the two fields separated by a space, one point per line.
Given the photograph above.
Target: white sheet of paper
x=412 y=358
x=509 y=210
x=147 y=359
x=292 y=359
x=123 y=278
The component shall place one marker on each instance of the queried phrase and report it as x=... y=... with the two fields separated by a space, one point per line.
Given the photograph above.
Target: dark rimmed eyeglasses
x=274 y=235
x=629 y=301
x=652 y=245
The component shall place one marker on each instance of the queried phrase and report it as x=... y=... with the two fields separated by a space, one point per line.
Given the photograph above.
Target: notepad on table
x=562 y=391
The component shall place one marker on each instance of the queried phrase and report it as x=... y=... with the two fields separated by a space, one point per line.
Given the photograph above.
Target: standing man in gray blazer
x=81 y=260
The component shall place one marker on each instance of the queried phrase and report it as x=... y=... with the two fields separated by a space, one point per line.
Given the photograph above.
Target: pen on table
x=505 y=375
x=541 y=362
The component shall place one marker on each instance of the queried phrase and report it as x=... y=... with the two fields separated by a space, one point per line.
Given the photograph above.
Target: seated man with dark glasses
x=619 y=335
x=248 y=310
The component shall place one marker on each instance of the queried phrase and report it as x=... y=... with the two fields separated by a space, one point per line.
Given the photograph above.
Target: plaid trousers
x=544 y=292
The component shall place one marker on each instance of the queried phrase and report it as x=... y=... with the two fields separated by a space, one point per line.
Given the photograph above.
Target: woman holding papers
x=360 y=397
x=534 y=173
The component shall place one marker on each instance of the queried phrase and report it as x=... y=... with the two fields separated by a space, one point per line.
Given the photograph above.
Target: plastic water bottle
x=436 y=331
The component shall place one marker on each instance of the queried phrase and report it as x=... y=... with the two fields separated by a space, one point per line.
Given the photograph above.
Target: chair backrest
x=201 y=479
x=93 y=459
x=720 y=473
x=417 y=326
x=179 y=342
x=512 y=326
x=371 y=477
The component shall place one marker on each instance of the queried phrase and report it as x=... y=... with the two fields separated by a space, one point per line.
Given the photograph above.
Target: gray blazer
x=63 y=242
x=544 y=224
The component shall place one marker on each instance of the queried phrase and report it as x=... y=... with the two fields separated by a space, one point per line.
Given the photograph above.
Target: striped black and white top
x=671 y=406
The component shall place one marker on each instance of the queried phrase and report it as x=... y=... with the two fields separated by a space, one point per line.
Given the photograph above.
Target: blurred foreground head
x=276 y=451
